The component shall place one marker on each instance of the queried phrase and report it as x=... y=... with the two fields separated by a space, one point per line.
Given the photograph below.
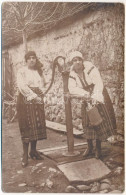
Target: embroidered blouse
x=27 y=78
x=92 y=76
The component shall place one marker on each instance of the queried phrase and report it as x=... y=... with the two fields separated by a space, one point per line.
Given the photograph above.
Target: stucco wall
x=99 y=35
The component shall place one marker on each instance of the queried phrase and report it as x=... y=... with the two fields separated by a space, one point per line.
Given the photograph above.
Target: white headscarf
x=74 y=54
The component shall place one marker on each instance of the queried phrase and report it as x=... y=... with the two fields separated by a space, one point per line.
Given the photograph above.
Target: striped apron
x=108 y=126
x=31 y=118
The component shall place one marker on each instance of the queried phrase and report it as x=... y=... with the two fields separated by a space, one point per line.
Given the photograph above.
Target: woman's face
x=77 y=64
x=31 y=61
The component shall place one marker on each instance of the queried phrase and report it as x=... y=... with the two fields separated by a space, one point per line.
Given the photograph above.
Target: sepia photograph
x=62 y=80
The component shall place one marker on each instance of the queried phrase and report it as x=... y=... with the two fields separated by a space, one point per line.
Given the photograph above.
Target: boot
x=25 y=154
x=89 y=149
x=34 y=154
x=98 y=149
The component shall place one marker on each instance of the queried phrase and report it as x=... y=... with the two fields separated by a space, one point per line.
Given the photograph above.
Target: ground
x=44 y=176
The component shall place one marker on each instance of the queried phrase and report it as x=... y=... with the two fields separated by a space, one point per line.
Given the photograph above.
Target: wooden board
x=61 y=128
x=57 y=153
x=61 y=147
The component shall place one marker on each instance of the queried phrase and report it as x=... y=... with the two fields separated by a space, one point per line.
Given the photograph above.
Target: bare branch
x=14 y=8
x=78 y=9
x=27 y=8
x=34 y=17
x=7 y=10
x=20 y=12
x=64 y=5
x=16 y=12
x=30 y=11
x=52 y=13
x=76 y=6
x=18 y=20
x=15 y=29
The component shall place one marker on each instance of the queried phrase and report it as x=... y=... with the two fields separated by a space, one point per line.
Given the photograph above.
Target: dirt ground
x=39 y=176
x=11 y=163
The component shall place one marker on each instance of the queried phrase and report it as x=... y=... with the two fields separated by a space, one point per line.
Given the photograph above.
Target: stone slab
x=61 y=128
x=85 y=171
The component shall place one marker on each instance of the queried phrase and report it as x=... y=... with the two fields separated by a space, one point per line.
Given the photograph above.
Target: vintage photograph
x=62 y=97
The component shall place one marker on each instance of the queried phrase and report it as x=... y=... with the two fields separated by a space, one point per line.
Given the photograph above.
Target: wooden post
x=68 y=114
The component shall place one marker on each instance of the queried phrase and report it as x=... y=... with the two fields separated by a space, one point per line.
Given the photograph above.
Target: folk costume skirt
x=31 y=118
x=108 y=126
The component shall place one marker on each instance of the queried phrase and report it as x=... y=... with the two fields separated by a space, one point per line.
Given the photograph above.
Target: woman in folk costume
x=30 y=106
x=85 y=81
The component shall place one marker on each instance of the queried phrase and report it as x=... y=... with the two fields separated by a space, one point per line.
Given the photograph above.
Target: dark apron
x=31 y=118
x=107 y=127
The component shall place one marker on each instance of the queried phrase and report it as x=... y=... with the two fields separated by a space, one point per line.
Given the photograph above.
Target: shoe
x=36 y=155
x=24 y=163
x=98 y=155
x=98 y=149
x=88 y=151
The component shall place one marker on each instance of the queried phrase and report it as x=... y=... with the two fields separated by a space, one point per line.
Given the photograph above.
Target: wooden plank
x=61 y=128
x=56 y=153
x=61 y=147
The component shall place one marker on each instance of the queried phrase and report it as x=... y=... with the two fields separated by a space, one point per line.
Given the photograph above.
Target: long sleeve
x=23 y=87
x=98 y=85
x=43 y=83
x=74 y=90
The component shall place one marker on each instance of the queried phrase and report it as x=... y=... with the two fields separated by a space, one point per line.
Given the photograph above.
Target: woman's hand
x=94 y=102
x=87 y=96
x=38 y=99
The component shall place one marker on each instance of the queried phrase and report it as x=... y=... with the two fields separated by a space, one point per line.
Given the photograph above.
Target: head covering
x=30 y=53
x=74 y=54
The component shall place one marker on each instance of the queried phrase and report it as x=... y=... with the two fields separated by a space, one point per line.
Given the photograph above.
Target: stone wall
x=99 y=35
x=103 y=44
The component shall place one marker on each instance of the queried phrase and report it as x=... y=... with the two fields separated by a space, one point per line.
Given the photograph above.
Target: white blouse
x=92 y=76
x=27 y=78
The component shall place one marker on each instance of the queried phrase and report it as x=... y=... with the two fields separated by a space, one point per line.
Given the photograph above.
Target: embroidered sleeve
x=73 y=89
x=98 y=84
x=23 y=87
x=90 y=70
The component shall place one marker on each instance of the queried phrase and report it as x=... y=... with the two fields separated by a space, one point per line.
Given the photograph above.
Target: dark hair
x=38 y=65
x=28 y=54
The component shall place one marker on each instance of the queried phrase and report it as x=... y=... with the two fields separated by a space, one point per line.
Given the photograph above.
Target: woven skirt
x=31 y=118
x=108 y=126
